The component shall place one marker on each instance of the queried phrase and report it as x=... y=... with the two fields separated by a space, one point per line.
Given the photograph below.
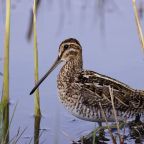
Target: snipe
x=82 y=91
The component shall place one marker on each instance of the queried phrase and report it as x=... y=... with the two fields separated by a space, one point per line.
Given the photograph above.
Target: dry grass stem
x=113 y=139
x=139 y=28
x=19 y=135
x=114 y=111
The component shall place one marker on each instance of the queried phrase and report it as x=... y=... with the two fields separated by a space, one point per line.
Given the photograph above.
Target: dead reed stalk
x=139 y=28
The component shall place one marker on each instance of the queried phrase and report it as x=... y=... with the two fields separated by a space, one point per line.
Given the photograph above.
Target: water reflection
x=5 y=127
x=136 y=131
x=141 y=8
x=30 y=28
x=37 y=129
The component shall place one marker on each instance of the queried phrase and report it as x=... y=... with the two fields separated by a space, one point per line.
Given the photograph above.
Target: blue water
x=110 y=46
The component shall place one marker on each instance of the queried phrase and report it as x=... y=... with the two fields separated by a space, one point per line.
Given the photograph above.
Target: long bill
x=45 y=76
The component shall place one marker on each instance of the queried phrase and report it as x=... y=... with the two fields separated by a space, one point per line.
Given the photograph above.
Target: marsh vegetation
x=111 y=33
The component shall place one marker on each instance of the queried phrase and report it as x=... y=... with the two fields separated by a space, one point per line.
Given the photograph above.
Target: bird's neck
x=70 y=69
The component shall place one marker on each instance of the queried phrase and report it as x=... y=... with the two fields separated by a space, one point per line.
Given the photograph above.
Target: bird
x=88 y=95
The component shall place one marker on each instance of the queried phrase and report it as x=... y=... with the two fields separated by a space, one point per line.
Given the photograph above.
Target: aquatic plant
x=1 y=121
x=139 y=28
x=36 y=98
x=5 y=92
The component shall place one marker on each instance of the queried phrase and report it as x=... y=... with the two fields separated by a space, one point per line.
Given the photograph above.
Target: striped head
x=69 y=49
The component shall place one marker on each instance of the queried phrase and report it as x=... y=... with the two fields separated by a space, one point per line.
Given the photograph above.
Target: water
x=110 y=46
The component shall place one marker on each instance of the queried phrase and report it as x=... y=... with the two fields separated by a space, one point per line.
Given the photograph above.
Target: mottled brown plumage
x=81 y=91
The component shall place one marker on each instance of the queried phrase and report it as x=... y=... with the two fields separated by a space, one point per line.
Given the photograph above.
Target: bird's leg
x=137 y=118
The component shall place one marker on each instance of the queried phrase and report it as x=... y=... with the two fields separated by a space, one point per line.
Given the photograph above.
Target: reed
x=5 y=136
x=5 y=92
x=37 y=130
x=36 y=98
x=1 y=121
x=139 y=28
x=114 y=111
x=108 y=127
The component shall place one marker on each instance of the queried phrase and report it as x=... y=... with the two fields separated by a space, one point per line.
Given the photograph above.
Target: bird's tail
x=141 y=92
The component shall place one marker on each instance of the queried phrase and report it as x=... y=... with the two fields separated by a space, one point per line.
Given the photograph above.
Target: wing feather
x=95 y=89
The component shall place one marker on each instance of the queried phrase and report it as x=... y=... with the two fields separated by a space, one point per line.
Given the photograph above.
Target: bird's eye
x=66 y=46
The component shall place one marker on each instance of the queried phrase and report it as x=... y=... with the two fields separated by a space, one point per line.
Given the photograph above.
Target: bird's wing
x=99 y=88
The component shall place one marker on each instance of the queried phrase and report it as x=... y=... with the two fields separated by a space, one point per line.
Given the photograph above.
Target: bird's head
x=68 y=49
